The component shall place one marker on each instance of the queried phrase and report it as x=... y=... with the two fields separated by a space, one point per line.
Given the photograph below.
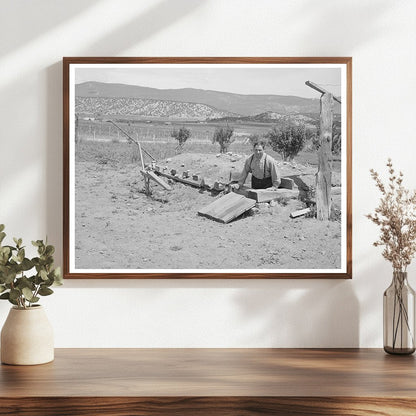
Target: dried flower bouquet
x=396 y=217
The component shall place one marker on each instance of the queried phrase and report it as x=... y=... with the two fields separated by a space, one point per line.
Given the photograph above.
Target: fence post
x=324 y=174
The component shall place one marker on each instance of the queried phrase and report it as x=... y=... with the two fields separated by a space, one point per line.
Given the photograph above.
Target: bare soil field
x=118 y=227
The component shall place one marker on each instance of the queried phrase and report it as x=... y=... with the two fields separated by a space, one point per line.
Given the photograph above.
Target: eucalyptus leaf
x=45 y=291
x=1 y=227
x=14 y=302
x=2 y=288
x=43 y=274
x=21 y=255
x=27 y=293
x=2 y=236
x=4 y=255
x=49 y=250
x=26 y=264
x=24 y=282
x=5 y=295
x=15 y=294
x=9 y=277
x=5 y=250
x=37 y=280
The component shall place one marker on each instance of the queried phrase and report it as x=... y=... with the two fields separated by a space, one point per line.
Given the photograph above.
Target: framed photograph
x=207 y=167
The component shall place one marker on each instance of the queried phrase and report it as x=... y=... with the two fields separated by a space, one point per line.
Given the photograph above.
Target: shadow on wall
x=44 y=16
x=350 y=25
x=300 y=313
x=157 y=18
x=153 y=20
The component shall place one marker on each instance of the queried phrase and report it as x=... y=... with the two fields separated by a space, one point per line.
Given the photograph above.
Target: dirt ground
x=118 y=227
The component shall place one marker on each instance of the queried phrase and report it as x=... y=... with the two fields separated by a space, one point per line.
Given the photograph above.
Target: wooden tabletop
x=218 y=376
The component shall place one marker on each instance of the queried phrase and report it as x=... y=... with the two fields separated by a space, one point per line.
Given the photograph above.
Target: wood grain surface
x=212 y=382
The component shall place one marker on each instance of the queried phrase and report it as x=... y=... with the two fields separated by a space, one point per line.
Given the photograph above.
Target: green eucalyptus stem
x=23 y=280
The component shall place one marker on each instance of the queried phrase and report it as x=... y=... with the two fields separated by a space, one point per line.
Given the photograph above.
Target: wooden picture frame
x=121 y=221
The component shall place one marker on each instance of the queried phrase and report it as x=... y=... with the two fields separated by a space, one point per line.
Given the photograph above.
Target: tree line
x=287 y=139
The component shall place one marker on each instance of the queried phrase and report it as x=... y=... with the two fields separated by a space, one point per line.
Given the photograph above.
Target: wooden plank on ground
x=159 y=181
x=227 y=207
x=263 y=195
x=196 y=184
x=299 y=213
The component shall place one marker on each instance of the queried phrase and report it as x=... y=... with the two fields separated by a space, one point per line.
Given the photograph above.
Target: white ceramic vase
x=27 y=337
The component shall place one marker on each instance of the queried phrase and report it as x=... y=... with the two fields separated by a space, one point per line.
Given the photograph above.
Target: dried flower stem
x=396 y=216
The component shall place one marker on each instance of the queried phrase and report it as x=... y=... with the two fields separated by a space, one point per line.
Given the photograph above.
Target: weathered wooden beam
x=300 y=212
x=324 y=174
x=196 y=184
x=151 y=175
x=263 y=195
x=320 y=89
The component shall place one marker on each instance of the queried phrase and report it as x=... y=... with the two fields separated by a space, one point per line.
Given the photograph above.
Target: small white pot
x=27 y=337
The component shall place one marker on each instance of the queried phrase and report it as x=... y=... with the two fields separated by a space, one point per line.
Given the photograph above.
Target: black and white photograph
x=207 y=169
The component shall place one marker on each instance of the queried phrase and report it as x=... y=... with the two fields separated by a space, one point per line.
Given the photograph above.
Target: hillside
x=245 y=105
x=142 y=107
x=272 y=117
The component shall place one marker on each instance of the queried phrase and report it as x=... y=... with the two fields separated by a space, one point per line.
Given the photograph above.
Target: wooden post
x=324 y=174
x=146 y=177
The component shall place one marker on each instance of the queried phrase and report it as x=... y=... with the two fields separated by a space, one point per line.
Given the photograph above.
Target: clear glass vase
x=399 y=316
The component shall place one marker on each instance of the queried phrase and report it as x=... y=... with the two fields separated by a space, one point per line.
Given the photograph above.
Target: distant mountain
x=244 y=105
x=147 y=108
x=272 y=117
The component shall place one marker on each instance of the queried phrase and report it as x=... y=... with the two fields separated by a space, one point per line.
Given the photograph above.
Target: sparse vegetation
x=181 y=135
x=255 y=138
x=223 y=136
x=287 y=139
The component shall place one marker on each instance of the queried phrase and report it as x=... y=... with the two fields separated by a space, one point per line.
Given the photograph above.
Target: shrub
x=288 y=139
x=223 y=136
x=256 y=138
x=181 y=135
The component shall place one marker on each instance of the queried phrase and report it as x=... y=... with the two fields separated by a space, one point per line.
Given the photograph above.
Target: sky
x=237 y=78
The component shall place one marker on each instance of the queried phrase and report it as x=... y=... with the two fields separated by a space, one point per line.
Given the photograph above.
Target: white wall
x=380 y=35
